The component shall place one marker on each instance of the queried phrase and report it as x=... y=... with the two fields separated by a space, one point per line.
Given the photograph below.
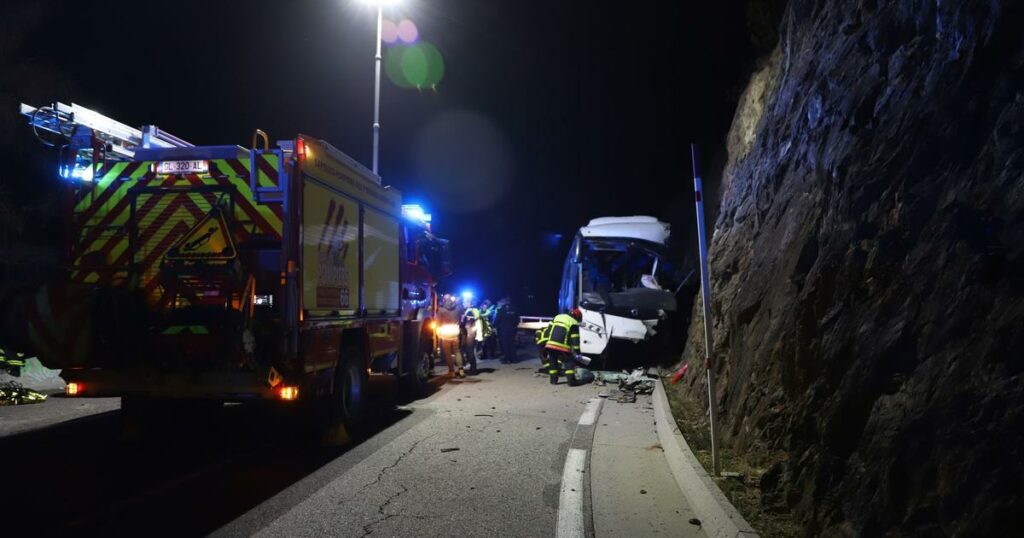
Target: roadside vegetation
x=742 y=471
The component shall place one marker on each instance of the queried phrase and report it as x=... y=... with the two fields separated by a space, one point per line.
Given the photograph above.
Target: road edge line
x=719 y=518
x=571 y=518
x=590 y=412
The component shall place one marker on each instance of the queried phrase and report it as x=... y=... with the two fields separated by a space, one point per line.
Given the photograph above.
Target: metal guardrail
x=533 y=323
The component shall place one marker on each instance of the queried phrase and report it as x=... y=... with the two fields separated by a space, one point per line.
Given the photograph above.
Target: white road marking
x=590 y=413
x=570 y=501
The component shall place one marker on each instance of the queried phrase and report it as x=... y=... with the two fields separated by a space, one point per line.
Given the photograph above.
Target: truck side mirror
x=414 y=294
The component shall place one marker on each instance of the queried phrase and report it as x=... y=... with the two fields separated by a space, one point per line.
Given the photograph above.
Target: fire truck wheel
x=417 y=384
x=350 y=396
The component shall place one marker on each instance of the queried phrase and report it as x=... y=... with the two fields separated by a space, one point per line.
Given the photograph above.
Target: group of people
x=487 y=331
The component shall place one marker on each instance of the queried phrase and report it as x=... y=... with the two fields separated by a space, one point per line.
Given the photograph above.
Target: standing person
x=493 y=347
x=486 y=336
x=506 y=320
x=448 y=316
x=562 y=346
x=471 y=334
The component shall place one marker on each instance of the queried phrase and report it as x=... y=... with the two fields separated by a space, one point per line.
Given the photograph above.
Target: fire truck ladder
x=91 y=137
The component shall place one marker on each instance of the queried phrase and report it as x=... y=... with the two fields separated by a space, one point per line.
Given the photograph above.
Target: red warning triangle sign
x=210 y=239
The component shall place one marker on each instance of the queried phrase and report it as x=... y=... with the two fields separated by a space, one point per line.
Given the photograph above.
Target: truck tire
x=416 y=381
x=350 y=390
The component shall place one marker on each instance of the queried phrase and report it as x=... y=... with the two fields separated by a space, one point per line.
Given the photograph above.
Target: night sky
x=549 y=113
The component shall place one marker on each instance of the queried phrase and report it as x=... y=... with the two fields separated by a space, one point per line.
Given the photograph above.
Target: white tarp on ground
x=35 y=376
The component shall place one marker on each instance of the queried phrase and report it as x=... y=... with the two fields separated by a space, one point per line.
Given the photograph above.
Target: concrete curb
x=718 y=517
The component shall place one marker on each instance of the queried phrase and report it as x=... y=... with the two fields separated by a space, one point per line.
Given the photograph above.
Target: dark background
x=549 y=113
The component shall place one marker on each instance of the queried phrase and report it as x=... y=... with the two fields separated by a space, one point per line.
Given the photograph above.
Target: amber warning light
x=302 y=150
x=288 y=393
x=73 y=389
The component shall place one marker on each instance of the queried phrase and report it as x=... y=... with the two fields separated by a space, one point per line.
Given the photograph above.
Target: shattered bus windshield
x=626 y=273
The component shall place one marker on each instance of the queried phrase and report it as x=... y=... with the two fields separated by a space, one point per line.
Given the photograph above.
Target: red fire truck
x=223 y=273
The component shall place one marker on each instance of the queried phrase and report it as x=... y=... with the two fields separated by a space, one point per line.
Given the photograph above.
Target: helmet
x=576 y=314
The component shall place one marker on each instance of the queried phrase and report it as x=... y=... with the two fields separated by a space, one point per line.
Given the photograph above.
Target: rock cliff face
x=867 y=269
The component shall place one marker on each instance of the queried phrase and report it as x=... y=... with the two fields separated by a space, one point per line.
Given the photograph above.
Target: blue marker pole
x=705 y=292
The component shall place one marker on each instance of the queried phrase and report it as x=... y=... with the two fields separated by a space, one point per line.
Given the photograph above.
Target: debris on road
x=603 y=377
x=483 y=415
x=626 y=396
x=12 y=393
x=449 y=449
x=637 y=382
x=732 y=475
x=694 y=521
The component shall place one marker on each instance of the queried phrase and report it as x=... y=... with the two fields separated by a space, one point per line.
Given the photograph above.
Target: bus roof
x=637 y=227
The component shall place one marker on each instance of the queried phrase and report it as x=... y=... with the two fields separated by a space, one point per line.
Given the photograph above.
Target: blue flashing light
x=84 y=173
x=416 y=213
x=467 y=295
x=413 y=211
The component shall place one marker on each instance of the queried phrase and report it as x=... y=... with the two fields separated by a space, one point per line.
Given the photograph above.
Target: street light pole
x=376 y=90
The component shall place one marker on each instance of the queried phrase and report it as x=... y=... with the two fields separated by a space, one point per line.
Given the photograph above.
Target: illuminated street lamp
x=376 y=77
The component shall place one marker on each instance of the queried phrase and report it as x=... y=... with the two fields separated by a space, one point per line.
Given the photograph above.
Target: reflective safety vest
x=11 y=361
x=485 y=321
x=543 y=335
x=564 y=334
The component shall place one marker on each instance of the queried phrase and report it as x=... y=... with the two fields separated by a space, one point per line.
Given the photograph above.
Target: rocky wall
x=867 y=269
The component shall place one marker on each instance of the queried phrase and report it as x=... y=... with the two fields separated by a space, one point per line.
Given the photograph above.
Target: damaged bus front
x=619 y=274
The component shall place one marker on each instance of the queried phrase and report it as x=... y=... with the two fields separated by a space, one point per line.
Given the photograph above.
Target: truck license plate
x=182 y=167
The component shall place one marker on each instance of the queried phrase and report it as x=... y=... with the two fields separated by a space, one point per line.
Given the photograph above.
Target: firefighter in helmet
x=563 y=345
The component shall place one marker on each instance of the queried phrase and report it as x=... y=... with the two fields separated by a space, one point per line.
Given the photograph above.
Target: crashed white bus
x=619 y=274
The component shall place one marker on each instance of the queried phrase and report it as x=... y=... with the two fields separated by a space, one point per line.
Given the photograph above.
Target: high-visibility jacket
x=543 y=335
x=486 y=317
x=564 y=335
x=473 y=322
x=11 y=360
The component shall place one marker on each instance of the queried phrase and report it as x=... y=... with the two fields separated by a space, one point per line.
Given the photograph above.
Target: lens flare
x=389 y=31
x=465 y=160
x=419 y=66
x=408 y=32
x=414 y=66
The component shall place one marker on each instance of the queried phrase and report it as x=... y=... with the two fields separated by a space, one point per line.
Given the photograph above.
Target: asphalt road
x=498 y=454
